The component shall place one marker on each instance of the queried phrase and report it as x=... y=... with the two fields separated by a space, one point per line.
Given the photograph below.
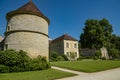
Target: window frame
x=67 y=45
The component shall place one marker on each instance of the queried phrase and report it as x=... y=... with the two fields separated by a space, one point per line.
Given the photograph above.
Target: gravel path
x=113 y=74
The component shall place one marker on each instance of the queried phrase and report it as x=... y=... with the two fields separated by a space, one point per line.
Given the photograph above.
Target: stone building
x=1 y=42
x=66 y=45
x=27 y=29
x=1 y=38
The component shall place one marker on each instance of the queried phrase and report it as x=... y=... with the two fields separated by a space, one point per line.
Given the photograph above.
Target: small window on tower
x=6 y=46
x=8 y=27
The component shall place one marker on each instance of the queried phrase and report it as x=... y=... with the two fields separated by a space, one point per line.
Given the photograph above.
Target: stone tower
x=27 y=29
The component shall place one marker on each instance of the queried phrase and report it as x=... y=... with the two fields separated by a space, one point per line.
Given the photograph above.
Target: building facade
x=1 y=42
x=27 y=29
x=1 y=38
x=66 y=45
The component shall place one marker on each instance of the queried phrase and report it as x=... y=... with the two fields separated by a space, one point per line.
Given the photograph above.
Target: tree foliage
x=114 y=51
x=96 y=34
x=98 y=53
x=115 y=41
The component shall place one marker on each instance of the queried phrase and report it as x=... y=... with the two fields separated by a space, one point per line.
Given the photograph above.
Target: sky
x=68 y=16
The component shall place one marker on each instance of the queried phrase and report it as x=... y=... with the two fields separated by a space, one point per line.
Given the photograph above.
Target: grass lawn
x=49 y=74
x=88 y=65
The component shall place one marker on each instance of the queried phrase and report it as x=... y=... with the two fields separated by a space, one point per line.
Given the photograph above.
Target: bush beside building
x=14 y=61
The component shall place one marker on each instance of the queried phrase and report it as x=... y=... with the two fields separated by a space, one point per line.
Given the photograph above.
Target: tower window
x=6 y=46
x=8 y=28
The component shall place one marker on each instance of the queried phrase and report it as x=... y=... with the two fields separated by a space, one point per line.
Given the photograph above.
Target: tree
x=96 y=34
x=72 y=55
x=114 y=51
x=115 y=42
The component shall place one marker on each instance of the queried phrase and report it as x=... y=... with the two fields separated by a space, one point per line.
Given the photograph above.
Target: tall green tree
x=115 y=41
x=96 y=34
x=114 y=51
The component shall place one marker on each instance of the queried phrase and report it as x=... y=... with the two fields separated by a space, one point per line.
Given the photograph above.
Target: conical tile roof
x=28 y=8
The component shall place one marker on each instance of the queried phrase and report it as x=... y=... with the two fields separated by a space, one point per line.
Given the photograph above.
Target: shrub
x=16 y=69
x=4 y=69
x=95 y=58
x=61 y=58
x=53 y=56
x=98 y=53
x=65 y=57
x=19 y=62
x=39 y=63
x=72 y=55
x=114 y=53
x=103 y=58
x=34 y=66
x=9 y=58
x=80 y=58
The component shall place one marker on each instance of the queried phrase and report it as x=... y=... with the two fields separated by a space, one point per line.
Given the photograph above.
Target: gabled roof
x=28 y=8
x=64 y=37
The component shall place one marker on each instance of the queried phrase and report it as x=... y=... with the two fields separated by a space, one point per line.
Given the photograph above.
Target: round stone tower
x=27 y=29
x=1 y=38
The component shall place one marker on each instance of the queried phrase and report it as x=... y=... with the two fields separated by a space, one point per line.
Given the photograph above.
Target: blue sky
x=68 y=16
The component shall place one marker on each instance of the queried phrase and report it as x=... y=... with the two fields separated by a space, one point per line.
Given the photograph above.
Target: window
x=8 y=27
x=6 y=46
x=57 y=46
x=75 y=45
x=67 y=54
x=67 y=45
x=75 y=54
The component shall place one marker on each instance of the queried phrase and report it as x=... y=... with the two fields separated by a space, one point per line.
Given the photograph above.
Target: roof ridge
x=64 y=37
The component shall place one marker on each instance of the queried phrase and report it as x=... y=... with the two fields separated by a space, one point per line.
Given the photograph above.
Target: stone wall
x=1 y=43
x=1 y=38
x=28 y=33
x=104 y=53
x=87 y=52
x=28 y=22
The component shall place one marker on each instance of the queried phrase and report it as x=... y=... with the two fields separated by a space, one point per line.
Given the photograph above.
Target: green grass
x=88 y=65
x=49 y=74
